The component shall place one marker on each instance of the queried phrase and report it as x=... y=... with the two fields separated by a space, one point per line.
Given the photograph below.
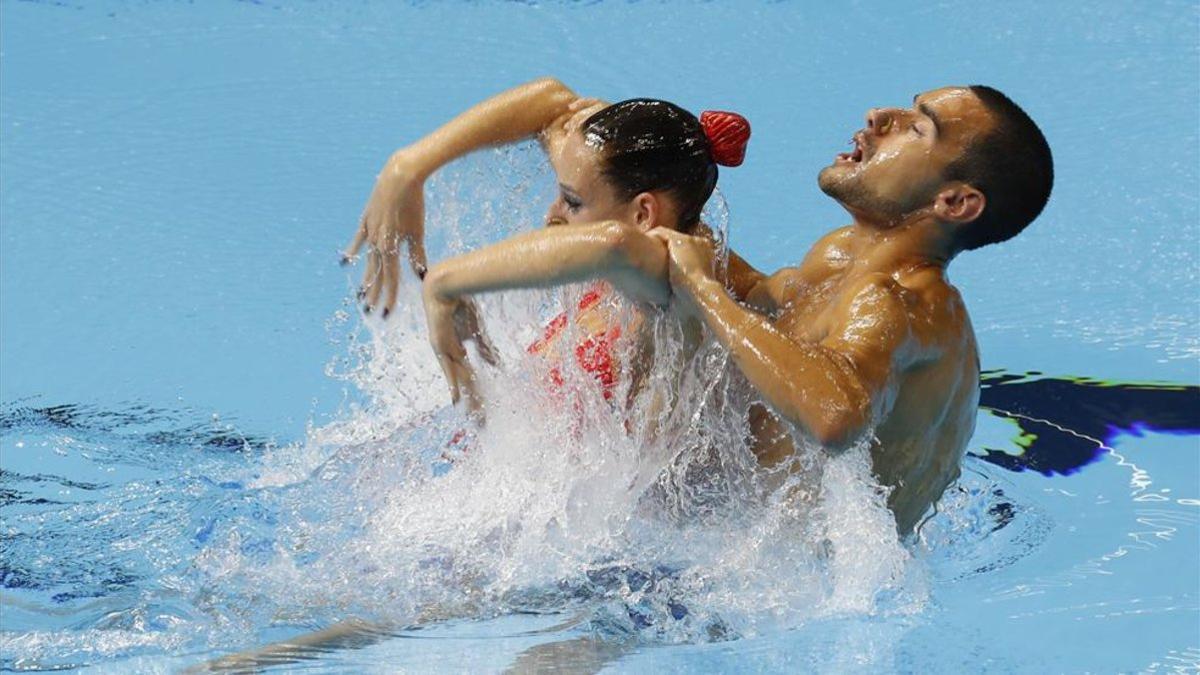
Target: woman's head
x=644 y=162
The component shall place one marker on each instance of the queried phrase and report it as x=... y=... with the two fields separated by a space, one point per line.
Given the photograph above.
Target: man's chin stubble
x=851 y=195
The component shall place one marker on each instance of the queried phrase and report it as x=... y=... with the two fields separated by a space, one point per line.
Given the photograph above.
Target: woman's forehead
x=577 y=164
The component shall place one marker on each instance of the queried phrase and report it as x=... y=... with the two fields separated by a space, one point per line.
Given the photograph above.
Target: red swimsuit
x=594 y=353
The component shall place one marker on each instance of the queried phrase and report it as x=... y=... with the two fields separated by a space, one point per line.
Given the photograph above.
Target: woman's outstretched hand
x=394 y=216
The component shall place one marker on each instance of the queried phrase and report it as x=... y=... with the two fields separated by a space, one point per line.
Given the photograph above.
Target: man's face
x=899 y=159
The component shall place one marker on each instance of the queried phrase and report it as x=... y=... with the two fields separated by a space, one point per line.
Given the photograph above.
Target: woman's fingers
x=461 y=380
x=473 y=400
x=373 y=279
x=465 y=389
x=381 y=278
x=451 y=374
x=443 y=337
x=487 y=350
x=581 y=112
x=360 y=236
x=469 y=327
x=416 y=256
x=394 y=215
x=391 y=281
x=447 y=342
x=584 y=103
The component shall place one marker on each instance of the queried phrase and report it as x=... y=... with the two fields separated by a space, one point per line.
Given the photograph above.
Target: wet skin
x=864 y=340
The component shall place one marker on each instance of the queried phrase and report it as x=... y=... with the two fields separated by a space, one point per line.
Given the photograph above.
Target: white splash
x=659 y=525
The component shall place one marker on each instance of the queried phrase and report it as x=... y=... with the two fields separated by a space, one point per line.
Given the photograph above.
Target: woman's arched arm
x=508 y=117
x=395 y=212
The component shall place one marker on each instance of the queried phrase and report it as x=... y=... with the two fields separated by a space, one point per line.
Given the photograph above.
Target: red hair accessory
x=728 y=134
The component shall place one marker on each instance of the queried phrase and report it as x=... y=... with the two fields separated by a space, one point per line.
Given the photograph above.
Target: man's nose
x=879 y=121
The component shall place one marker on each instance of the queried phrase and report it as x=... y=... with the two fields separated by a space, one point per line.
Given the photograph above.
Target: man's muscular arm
x=834 y=390
x=740 y=277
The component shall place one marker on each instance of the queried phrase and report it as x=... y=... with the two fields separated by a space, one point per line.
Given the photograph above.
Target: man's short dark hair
x=1012 y=167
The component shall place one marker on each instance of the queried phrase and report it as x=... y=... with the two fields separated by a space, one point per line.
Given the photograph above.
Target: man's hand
x=690 y=260
x=394 y=215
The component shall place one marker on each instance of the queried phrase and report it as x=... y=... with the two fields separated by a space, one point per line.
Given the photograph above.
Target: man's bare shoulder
x=832 y=251
x=878 y=296
x=828 y=255
x=939 y=298
x=937 y=313
x=921 y=307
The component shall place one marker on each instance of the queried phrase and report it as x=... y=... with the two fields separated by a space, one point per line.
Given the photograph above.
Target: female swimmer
x=622 y=171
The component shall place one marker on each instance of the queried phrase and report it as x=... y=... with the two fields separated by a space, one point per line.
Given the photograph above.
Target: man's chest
x=805 y=307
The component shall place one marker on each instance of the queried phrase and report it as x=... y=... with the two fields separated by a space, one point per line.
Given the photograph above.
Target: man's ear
x=647 y=211
x=960 y=204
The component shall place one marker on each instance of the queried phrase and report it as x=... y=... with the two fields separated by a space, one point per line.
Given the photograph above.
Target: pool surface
x=204 y=448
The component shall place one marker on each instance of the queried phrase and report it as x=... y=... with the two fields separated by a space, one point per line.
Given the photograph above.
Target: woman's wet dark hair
x=651 y=145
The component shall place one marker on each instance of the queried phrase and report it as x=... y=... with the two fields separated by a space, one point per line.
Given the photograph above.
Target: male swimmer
x=864 y=340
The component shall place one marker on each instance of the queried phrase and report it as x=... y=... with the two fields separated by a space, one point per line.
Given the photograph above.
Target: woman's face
x=584 y=195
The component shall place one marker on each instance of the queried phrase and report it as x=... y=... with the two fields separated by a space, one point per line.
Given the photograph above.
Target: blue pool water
x=205 y=449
